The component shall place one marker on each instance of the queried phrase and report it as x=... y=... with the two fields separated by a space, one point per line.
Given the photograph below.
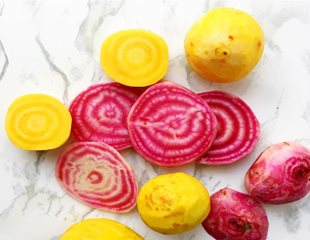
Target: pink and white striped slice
x=100 y=112
x=170 y=125
x=238 y=128
x=98 y=176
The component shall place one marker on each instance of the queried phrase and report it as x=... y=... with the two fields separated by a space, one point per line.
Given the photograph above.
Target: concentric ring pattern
x=170 y=125
x=238 y=128
x=98 y=176
x=38 y=122
x=99 y=114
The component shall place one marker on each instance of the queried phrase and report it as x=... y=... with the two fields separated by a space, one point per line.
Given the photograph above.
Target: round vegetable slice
x=135 y=57
x=170 y=125
x=235 y=215
x=98 y=176
x=238 y=128
x=99 y=114
x=38 y=122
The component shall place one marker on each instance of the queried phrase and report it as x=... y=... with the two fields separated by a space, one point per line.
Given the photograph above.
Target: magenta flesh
x=99 y=114
x=170 y=125
x=281 y=174
x=97 y=175
x=236 y=216
x=238 y=128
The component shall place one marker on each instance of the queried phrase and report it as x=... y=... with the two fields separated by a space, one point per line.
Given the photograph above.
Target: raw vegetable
x=100 y=229
x=224 y=45
x=170 y=125
x=98 y=176
x=99 y=114
x=281 y=174
x=236 y=216
x=238 y=128
x=173 y=203
x=135 y=57
x=37 y=122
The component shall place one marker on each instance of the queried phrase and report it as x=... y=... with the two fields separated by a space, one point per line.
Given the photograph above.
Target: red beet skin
x=281 y=174
x=236 y=216
x=97 y=175
x=170 y=125
x=99 y=114
x=238 y=128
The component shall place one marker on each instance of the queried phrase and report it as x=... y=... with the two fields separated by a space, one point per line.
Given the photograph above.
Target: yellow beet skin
x=37 y=122
x=135 y=58
x=224 y=45
x=100 y=229
x=173 y=203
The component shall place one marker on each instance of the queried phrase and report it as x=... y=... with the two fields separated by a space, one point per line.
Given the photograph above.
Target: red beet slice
x=236 y=216
x=238 y=128
x=98 y=176
x=170 y=125
x=281 y=174
x=99 y=114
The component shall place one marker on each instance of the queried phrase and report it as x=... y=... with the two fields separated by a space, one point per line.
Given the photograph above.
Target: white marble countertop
x=53 y=47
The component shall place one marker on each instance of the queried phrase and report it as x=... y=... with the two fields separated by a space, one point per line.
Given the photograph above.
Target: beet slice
x=235 y=215
x=100 y=112
x=98 y=176
x=238 y=128
x=281 y=174
x=170 y=125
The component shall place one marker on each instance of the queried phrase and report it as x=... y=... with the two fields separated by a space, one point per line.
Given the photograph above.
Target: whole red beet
x=236 y=216
x=281 y=174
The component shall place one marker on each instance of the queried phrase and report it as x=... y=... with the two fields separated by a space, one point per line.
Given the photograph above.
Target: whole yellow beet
x=224 y=45
x=173 y=203
x=100 y=229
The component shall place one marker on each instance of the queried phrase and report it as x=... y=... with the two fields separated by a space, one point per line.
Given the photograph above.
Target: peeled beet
x=281 y=174
x=170 y=125
x=236 y=216
x=238 y=128
x=98 y=176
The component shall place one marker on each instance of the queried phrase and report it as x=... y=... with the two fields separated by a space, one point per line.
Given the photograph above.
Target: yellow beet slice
x=100 y=229
x=37 y=122
x=173 y=203
x=135 y=58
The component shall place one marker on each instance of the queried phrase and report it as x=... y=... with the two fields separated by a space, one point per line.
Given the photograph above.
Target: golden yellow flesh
x=173 y=203
x=100 y=229
x=134 y=57
x=37 y=122
x=224 y=45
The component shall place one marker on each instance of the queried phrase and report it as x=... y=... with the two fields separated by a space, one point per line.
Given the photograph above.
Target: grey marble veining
x=53 y=46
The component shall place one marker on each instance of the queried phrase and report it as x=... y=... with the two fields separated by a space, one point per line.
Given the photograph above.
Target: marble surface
x=53 y=47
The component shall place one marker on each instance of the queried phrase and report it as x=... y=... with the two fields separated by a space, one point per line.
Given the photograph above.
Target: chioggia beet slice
x=238 y=128
x=281 y=174
x=170 y=125
x=98 y=176
x=99 y=114
x=236 y=216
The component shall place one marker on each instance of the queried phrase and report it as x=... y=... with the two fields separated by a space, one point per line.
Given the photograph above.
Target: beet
x=236 y=216
x=238 y=128
x=170 y=125
x=98 y=176
x=281 y=174
x=100 y=112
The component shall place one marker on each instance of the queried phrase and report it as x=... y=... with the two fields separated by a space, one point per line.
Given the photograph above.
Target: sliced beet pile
x=170 y=125
x=100 y=112
x=97 y=175
x=238 y=128
x=235 y=215
x=281 y=174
